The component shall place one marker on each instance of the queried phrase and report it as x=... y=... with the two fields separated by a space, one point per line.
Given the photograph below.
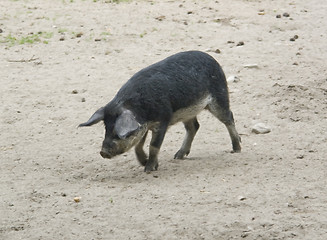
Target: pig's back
x=174 y=83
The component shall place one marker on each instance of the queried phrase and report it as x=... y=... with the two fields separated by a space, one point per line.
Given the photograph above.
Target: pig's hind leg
x=191 y=127
x=140 y=154
x=226 y=116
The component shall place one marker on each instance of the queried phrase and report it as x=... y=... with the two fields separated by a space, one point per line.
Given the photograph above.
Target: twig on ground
x=24 y=60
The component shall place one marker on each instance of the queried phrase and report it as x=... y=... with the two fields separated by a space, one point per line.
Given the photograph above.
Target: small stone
x=160 y=18
x=292 y=39
x=1 y=31
x=83 y=99
x=217 y=51
x=244 y=235
x=241 y=43
x=286 y=14
x=62 y=38
x=261 y=12
x=78 y=35
x=233 y=78
x=278 y=16
x=241 y=198
x=97 y=39
x=77 y=199
x=261 y=128
x=296 y=37
x=74 y=91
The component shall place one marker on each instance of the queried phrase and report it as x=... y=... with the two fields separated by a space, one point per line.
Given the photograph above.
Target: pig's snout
x=104 y=153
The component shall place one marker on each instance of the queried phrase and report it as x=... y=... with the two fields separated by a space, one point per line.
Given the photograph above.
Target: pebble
x=294 y=38
x=161 y=18
x=217 y=51
x=233 y=78
x=286 y=14
x=241 y=198
x=261 y=128
x=261 y=12
x=77 y=199
x=1 y=30
x=78 y=35
x=241 y=43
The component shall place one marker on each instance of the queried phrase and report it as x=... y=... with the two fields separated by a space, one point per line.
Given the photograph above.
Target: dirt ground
x=61 y=60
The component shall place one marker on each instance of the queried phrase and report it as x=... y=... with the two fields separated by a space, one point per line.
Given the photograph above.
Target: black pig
x=175 y=89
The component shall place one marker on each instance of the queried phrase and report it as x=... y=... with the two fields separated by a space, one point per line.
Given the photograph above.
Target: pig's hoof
x=150 y=168
x=236 y=151
x=181 y=154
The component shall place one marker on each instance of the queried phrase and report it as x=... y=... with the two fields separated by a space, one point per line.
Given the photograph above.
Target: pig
x=173 y=90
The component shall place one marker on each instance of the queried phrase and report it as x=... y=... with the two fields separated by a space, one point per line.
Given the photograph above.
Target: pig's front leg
x=140 y=154
x=158 y=136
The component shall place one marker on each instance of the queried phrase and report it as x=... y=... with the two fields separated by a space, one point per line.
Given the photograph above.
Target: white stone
x=233 y=79
x=261 y=128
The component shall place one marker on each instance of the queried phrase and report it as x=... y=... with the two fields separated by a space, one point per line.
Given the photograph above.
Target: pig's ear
x=126 y=124
x=95 y=118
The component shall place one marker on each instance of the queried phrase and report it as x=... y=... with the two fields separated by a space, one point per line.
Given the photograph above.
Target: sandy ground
x=61 y=60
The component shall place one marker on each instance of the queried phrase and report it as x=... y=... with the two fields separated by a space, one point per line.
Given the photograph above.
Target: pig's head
x=123 y=131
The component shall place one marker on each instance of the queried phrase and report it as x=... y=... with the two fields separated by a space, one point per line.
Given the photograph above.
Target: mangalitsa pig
x=173 y=90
